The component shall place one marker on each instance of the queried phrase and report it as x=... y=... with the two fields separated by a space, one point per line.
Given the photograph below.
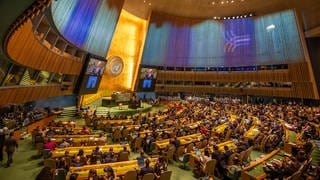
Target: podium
x=108 y=102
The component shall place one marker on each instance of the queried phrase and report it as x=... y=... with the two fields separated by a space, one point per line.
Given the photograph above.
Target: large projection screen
x=185 y=42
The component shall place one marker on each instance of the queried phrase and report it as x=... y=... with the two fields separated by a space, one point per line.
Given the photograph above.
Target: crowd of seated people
x=270 y=130
x=17 y=116
x=213 y=123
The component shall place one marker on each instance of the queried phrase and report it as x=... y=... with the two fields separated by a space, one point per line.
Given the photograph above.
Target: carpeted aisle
x=23 y=167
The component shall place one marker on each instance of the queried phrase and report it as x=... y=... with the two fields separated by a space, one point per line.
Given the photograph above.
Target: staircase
x=69 y=112
x=25 y=78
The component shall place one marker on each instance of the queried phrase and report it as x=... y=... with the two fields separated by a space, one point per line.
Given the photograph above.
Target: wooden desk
x=129 y=127
x=120 y=168
x=220 y=129
x=255 y=169
x=194 y=157
x=41 y=123
x=75 y=138
x=59 y=152
x=252 y=133
x=31 y=127
x=290 y=140
x=145 y=132
x=119 y=122
x=184 y=140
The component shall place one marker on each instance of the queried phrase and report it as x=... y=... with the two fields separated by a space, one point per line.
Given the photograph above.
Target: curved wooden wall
x=22 y=94
x=263 y=91
x=297 y=74
x=24 y=48
x=226 y=76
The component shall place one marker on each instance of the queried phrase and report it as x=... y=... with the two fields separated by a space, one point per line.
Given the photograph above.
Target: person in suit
x=176 y=142
x=147 y=82
x=11 y=145
x=141 y=158
x=146 y=169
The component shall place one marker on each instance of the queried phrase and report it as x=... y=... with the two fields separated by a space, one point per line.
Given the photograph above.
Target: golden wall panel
x=127 y=43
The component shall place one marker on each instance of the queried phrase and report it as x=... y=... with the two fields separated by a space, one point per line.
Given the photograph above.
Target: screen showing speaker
x=92 y=75
x=147 y=79
x=95 y=67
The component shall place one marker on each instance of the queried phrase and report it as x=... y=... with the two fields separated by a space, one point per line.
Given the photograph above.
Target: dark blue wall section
x=60 y=101
x=80 y=21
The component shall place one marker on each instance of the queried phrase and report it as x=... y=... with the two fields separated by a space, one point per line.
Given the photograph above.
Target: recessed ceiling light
x=270 y=27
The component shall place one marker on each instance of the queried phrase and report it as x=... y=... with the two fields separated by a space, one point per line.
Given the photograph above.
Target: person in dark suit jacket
x=176 y=142
x=11 y=145
x=146 y=169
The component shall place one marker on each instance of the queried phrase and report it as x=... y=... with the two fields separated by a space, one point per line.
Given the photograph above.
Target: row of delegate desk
x=253 y=171
x=75 y=138
x=59 y=152
x=120 y=168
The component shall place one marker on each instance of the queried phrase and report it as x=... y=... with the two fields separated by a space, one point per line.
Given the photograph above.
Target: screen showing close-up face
x=95 y=67
x=230 y=42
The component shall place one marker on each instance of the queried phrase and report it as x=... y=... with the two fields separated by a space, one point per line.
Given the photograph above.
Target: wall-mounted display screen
x=231 y=42
x=96 y=67
x=147 y=79
x=92 y=75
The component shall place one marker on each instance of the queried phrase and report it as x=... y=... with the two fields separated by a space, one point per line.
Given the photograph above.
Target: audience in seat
x=146 y=169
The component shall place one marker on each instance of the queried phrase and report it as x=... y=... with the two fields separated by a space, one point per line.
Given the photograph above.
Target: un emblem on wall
x=115 y=65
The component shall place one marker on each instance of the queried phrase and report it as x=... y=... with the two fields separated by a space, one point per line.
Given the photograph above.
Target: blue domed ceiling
x=87 y=24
